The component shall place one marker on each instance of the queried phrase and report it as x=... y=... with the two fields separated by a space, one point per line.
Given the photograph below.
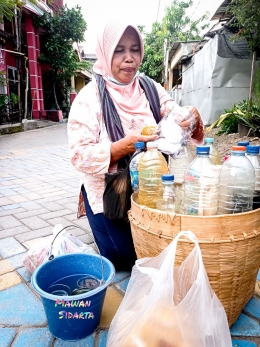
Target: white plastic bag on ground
x=167 y=305
x=64 y=243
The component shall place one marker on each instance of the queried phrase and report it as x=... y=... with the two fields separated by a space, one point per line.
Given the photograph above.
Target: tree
x=152 y=64
x=7 y=7
x=61 y=31
x=247 y=17
x=175 y=26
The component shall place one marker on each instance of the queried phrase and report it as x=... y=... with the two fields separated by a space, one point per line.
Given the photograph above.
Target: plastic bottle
x=243 y=143
x=178 y=165
x=252 y=153
x=151 y=167
x=179 y=196
x=201 y=185
x=236 y=183
x=166 y=197
x=133 y=166
x=214 y=155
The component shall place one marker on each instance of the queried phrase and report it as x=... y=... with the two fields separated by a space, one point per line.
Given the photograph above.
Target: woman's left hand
x=198 y=132
x=193 y=112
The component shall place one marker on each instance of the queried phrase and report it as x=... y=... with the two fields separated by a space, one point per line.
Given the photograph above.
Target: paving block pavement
x=38 y=189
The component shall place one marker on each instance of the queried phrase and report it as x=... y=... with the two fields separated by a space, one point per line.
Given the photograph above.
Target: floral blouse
x=89 y=144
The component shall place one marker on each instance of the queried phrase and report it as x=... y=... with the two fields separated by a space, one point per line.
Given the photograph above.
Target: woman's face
x=127 y=56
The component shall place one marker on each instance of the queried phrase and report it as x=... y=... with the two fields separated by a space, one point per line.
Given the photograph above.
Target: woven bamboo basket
x=230 y=246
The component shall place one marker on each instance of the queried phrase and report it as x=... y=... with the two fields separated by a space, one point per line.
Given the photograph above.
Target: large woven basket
x=230 y=246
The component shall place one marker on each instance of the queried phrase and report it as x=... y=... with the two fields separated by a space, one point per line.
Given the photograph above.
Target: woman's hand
x=126 y=146
x=198 y=132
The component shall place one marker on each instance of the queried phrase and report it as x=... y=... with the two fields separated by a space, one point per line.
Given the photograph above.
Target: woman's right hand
x=126 y=145
x=136 y=136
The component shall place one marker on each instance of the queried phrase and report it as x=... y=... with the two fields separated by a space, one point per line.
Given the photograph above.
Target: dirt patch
x=224 y=143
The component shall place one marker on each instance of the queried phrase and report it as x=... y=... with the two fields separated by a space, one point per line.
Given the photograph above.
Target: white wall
x=212 y=83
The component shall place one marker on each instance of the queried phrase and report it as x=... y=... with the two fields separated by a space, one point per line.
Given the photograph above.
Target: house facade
x=20 y=47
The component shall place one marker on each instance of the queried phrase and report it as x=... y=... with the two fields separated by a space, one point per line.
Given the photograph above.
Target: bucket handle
x=51 y=257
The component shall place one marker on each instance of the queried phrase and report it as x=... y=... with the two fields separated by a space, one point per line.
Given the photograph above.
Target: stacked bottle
x=133 y=166
x=151 y=167
x=243 y=143
x=252 y=153
x=166 y=196
x=178 y=165
x=214 y=155
x=236 y=183
x=201 y=185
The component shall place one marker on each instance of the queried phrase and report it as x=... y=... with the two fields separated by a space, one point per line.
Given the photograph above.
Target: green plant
x=14 y=98
x=176 y=26
x=238 y=114
x=58 y=55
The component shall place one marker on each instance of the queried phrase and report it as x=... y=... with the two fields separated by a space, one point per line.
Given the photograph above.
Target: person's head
x=127 y=56
x=119 y=51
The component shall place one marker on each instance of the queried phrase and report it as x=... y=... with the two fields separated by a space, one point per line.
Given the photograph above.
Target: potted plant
x=239 y=119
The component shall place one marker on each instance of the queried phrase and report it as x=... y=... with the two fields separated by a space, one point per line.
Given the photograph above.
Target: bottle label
x=134 y=180
x=192 y=175
x=168 y=194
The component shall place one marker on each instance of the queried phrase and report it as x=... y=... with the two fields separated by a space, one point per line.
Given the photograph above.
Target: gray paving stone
x=10 y=247
x=34 y=234
x=30 y=205
x=88 y=239
x=11 y=212
x=11 y=207
x=5 y=201
x=83 y=223
x=13 y=231
x=52 y=206
x=39 y=337
x=26 y=275
x=49 y=199
x=17 y=260
x=72 y=217
x=55 y=214
x=123 y=285
x=34 y=222
x=59 y=220
x=30 y=213
x=7 y=192
x=9 y=222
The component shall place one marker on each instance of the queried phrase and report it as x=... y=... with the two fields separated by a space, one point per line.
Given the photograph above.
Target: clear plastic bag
x=171 y=136
x=64 y=243
x=168 y=305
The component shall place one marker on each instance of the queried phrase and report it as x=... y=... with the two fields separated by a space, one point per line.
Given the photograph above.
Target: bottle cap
x=139 y=145
x=239 y=148
x=202 y=149
x=152 y=144
x=209 y=140
x=168 y=177
x=243 y=143
x=252 y=149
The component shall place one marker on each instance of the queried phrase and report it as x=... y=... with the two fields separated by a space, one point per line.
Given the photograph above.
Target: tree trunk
x=252 y=82
x=55 y=96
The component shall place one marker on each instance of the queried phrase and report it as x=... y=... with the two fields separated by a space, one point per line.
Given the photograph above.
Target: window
x=12 y=80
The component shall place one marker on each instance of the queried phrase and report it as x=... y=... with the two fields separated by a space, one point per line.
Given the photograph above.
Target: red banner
x=2 y=60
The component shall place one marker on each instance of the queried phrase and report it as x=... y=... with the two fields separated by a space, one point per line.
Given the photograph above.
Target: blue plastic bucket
x=78 y=316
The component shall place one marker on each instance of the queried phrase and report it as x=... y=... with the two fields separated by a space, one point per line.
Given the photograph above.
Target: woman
x=120 y=52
